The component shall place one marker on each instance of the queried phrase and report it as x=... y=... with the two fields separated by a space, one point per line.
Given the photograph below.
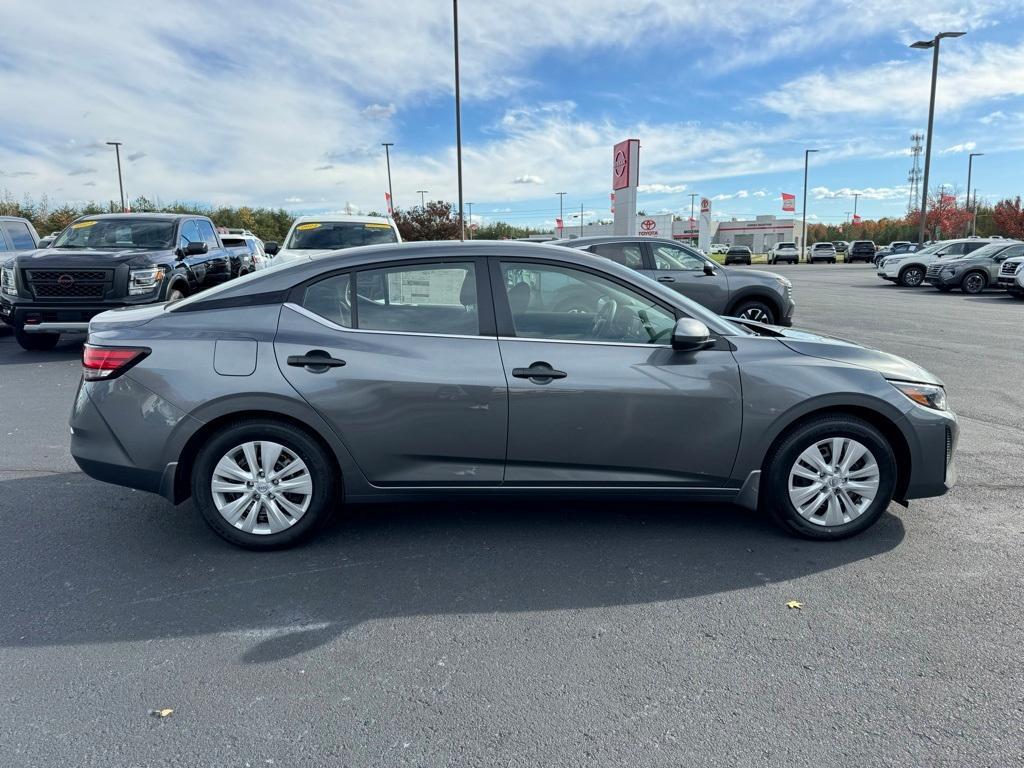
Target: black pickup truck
x=105 y=262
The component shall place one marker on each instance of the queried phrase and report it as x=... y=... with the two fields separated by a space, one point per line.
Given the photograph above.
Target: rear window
x=334 y=235
x=786 y=245
x=823 y=246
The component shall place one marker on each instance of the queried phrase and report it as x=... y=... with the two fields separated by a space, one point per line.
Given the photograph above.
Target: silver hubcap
x=261 y=487
x=833 y=482
x=755 y=313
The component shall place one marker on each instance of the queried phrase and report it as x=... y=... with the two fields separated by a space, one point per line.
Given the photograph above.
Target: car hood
x=840 y=350
x=70 y=258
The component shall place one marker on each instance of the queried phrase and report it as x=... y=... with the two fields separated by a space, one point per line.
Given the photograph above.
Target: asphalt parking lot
x=539 y=635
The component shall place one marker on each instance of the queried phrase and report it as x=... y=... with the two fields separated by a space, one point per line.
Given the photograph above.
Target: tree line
x=439 y=220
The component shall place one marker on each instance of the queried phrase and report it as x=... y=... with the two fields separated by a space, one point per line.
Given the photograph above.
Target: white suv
x=785 y=252
x=1011 y=276
x=822 y=252
x=320 y=235
x=909 y=269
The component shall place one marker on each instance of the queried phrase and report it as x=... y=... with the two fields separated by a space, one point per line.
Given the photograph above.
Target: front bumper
x=1010 y=284
x=932 y=437
x=52 y=318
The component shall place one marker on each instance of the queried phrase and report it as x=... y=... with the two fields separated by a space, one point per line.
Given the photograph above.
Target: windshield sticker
x=377 y=226
x=84 y=224
x=311 y=225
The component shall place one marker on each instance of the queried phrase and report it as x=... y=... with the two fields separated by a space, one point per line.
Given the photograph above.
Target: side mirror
x=690 y=335
x=271 y=248
x=196 y=249
x=709 y=270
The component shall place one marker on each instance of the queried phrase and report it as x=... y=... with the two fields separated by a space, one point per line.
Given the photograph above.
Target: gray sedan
x=450 y=370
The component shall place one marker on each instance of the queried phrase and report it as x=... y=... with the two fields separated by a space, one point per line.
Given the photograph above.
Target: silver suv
x=910 y=269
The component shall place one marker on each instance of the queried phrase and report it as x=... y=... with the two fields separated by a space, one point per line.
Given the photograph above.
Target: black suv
x=748 y=293
x=861 y=250
x=105 y=262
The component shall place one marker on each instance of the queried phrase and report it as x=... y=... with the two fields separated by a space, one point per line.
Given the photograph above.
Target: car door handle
x=666 y=279
x=539 y=370
x=315 y=361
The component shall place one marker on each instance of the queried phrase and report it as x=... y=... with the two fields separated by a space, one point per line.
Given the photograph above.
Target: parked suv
x=748 y=293
x=861 y=250
x=445 y=370
x=1011 y=276
x=108 y=261
x=16 y=234
x=738 y=254
x=909 y=269
x=320 y=235
x=785 y=252
x=841 y=246
x=895 y=250
x=976 y=271
x=822 y=252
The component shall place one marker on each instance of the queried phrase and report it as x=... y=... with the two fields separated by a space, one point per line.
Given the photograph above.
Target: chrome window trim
x=580 y=341
x=334 y=326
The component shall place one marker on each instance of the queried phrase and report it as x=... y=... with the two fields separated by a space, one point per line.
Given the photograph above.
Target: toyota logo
x=65 y=281
x=648 y=224
x=620 y=162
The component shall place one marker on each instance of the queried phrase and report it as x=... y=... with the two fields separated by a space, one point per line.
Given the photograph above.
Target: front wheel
x=755 y=310
x=830 y=478
x=911 y=277
x=973 y=282
x=263 y=484
x=36 y=342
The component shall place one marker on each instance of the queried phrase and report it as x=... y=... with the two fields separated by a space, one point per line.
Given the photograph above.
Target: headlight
x=928 y=395
x=786 y=281
x=144 y=280
x=7 y=281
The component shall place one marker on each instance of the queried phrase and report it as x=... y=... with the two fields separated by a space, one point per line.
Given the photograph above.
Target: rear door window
x=421 y=298
x=627 y=254
x=19 y=235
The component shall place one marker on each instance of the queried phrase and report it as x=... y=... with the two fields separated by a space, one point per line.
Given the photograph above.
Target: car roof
x=576 y=242
x=329 y=218
x=150 y=216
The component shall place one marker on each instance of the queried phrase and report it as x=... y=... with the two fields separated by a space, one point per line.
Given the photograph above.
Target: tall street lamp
x=803 y=226
x=458 y=116
x=470 y=206
x=423 y=199
x=117 y=151
x=387 y=157
x=970 y=207
x=934 y=45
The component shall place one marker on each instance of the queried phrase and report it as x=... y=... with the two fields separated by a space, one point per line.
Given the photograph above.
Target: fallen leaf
x=794 y=604
x=161 y=712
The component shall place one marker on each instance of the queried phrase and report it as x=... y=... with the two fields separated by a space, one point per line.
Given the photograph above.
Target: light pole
x=561 y=209
x=693 y=196
x=803 y=226
x=387 y=157
x=970 y=207
x=458 y=116
x=924 y=45
x=855 y=196
x=423 y=199
x=117 y=151
x=581 y=219
x=470 y=206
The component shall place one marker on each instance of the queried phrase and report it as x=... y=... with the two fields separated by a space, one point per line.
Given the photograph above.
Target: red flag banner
x=856 y=218
x=612 y=198
x=558 y=224
x=387 y=201
x=788 y=202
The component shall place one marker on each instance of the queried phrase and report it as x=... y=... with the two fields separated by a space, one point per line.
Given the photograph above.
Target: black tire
x=756 y=306
x=36 y=342
x=322 y=470
x=911 y=277
x=944 y=288
x=774 y=491
x=974 y=282
x=831 y=261
x=175 y=293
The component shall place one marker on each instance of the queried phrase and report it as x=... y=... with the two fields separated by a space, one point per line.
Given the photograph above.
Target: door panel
x=413 y=409
x=684 y=271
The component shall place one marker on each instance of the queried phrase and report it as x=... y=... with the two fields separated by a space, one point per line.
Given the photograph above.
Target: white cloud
x=293 y=200
x=867 y=193
x=527 y=179
x=666 y=189
x=379 y=111
x=760 y=193
x=967 y=146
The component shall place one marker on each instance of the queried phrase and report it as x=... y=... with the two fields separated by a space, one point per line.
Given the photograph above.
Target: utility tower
x=914 y=177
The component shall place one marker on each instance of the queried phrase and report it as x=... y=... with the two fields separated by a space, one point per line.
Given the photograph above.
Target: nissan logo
x=648 y=224
x=65 y=281
x=620 y=162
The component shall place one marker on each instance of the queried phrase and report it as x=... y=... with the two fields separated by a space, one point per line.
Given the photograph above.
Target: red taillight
x=108 y=362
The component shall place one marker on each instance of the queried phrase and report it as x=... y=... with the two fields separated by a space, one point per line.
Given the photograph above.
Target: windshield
x=333 y=235
x=117 y=233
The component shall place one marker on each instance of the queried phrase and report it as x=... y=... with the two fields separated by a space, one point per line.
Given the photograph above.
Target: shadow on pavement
x=84 y=562
x=15 y=355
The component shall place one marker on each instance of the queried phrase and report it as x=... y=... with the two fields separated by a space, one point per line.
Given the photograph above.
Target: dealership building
x=759 y=234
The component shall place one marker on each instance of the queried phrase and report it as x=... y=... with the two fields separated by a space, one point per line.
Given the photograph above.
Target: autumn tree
x=437 y=220
x=1008 y=218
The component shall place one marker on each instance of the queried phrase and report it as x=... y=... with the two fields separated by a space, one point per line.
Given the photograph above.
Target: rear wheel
x=973 y=282
x=911 y=277
x=36 y=342
x=264 y=484
x=830 y=478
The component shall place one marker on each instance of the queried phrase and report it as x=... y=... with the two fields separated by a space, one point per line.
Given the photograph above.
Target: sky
x=285 y=104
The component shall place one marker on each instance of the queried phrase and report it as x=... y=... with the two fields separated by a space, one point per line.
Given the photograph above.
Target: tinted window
x=3 y=243
x=626 y=254
x=189 y=234
x=117 y=233
x=332 y=236
x=786 y=245
x=671 y=257
x=330 y=299
x=551 y=302
x=207 y=234
x=423 y=299
x=971 y=247
x=19 y=235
